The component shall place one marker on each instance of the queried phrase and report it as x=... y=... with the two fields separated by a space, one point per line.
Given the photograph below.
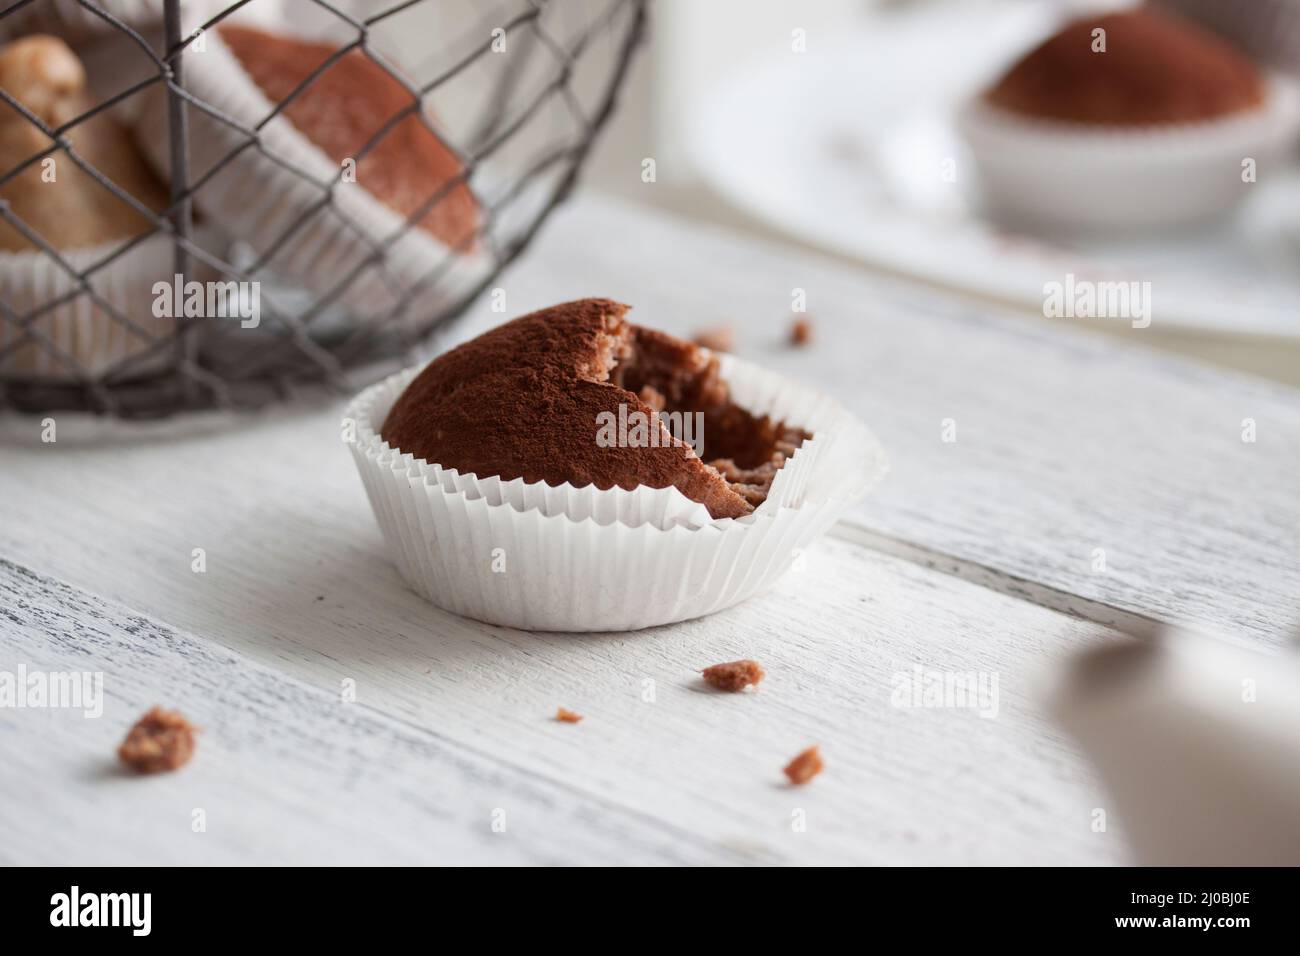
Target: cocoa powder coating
x=524 y=399
x=1156 y=68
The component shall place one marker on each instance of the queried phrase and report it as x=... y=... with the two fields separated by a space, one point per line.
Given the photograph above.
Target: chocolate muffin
x=1156 y=68
x=343 y=108
x=526 y=400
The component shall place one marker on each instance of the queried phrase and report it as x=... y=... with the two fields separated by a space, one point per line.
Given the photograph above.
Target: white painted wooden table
x=977 y=555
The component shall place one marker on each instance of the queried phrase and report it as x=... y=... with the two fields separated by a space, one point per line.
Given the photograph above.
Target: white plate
x=843 y=146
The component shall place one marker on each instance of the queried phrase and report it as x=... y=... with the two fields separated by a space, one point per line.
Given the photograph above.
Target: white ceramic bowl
x=1069 y=178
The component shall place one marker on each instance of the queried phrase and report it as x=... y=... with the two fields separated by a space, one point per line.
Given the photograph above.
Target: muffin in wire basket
x=333 y=173
x=359 y=260
x=51 y=328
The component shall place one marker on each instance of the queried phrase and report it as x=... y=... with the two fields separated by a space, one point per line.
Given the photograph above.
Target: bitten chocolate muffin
x=525 y=400
x=1156 y=68
x=343 y=108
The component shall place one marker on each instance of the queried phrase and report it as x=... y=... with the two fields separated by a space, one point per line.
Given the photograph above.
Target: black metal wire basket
x=302 y=210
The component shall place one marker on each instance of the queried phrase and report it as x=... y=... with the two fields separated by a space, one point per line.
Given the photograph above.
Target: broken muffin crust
x=524 y=401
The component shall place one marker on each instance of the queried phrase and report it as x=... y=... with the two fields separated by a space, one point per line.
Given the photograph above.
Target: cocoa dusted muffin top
x=346 y=105
x=1156 y=68
x=526 y=400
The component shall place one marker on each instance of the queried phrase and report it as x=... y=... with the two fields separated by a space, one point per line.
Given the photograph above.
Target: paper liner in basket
x=78 y=328
x=280 y=213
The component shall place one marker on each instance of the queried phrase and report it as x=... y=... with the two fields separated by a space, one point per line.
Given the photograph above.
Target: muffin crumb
x=801 y=332
x=805 y=766
x=160 y=740
x=566 y=716
x=721 y=338
x=733 y=676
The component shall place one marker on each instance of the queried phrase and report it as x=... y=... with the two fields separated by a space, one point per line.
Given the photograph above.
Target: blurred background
x=863 y=129
x=842 y=147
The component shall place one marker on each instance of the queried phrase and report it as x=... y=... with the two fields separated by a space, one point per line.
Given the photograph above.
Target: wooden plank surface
x=1065 y=444
x=453 y=720
x=286 y=773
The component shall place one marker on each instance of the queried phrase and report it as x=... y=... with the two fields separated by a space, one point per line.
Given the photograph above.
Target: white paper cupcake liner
x=560 y=558
x=260 y=201
x=80 y=328
x=1076 y=178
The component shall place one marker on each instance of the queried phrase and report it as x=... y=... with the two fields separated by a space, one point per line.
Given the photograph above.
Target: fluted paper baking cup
x=1075 y=177
x=79 y=328
x=560 y=558
x=275 y=210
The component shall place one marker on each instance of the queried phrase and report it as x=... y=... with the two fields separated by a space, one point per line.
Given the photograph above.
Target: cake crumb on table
x=805 y=766
x=721 y=338
x=566 y=716
x=733 y=676
x=160 y=740
x=801 y=332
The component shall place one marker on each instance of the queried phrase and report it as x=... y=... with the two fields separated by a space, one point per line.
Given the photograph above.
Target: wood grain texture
x=1065 y=443
x=453 y=718
x=284 y=772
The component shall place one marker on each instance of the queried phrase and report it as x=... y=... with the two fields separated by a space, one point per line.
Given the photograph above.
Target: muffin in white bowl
x=1126 y=122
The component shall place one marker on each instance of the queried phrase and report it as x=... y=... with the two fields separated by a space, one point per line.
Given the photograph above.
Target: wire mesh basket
x=208 y=206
